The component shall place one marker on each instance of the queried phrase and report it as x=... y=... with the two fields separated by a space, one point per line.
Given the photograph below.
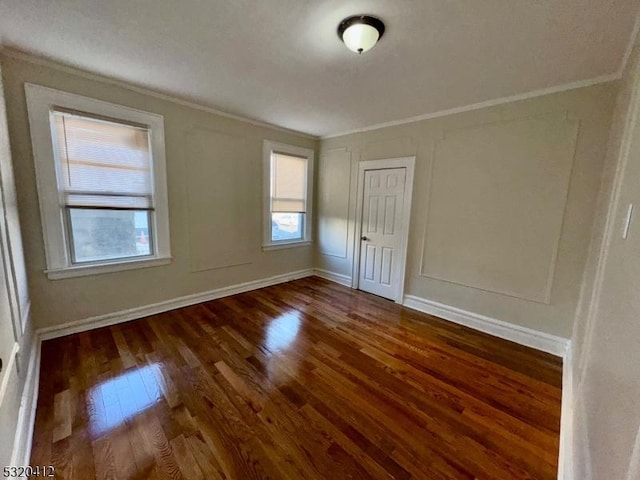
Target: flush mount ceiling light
x=360 y=32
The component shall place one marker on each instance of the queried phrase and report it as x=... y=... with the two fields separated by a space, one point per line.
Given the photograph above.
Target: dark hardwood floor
x=307 y=379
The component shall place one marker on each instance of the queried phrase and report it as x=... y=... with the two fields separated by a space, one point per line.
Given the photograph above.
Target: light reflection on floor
x=116 y=400
x=283 y=331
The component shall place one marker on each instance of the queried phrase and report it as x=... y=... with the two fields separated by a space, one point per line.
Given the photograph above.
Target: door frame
x=386 y=163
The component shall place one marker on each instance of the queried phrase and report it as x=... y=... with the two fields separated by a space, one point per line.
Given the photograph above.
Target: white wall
x=534 y=206
x=606 y=336
x=214 y=171
x=502 y=208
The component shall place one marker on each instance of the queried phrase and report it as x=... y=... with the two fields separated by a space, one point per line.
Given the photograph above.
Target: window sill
x=282 y=245
x=97 y=269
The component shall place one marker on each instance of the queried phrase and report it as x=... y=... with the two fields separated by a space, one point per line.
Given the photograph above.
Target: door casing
x=401 y=162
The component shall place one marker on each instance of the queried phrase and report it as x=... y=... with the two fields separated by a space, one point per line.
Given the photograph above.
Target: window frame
x=41 y=103
x=269 y=147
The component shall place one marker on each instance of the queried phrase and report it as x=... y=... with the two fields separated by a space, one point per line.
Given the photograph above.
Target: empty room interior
x=320 y=239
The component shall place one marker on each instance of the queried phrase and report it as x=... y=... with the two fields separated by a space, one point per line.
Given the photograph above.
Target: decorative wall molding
x=217 y=164
x=498 y=328
x=27 y=414
x=532 y=281
x=333 y=277
x=164 y=306
x=343 y=250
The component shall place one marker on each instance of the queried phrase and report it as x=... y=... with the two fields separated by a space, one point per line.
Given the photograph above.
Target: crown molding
x=488 y=103
x=513 y=98
x=38 y=60
x=632 y=41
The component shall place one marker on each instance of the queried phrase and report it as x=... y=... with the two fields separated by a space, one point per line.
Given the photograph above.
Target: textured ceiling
x=280 y=61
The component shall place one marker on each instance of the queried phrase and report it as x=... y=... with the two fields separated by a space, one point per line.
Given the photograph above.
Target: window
x=101 y=183
x=288 y=188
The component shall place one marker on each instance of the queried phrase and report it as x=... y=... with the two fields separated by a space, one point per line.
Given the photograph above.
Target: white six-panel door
x=381 y=243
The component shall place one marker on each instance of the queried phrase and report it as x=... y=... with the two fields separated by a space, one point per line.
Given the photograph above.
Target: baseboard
x=498 y=328
x=23 y=439
x=565 y=459
x=160 y=307
x=333 y=277
x=524 y=336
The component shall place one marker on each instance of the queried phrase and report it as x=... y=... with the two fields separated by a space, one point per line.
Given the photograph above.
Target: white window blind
x=103 y=164
x=288 y=183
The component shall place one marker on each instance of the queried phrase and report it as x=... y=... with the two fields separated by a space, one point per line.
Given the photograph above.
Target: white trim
x=26 y=315
x=33 y=59
x=26 y=417
x=97 y=269
x=8 y=369
x=36 y=60
x=477 y=106
x=121 y=316
x=333 y=277
x=23 y=439
x=565 y=458
x=282 y=245
x=363 y=166
x=498 y=328
x=268 y=147
x=41 y=102
x=10 y=236
x=630 y=45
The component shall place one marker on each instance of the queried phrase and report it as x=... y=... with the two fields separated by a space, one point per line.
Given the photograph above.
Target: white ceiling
x=280 y=61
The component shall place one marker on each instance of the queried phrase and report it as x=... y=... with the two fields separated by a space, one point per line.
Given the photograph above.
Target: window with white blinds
x=288 y=183
x=103 y=164
x=101 y=183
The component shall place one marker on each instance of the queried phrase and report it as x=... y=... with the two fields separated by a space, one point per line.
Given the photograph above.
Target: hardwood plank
x=303 y=380
x=62 y=415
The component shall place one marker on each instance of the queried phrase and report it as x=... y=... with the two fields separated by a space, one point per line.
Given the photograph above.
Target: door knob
x=364 y=239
